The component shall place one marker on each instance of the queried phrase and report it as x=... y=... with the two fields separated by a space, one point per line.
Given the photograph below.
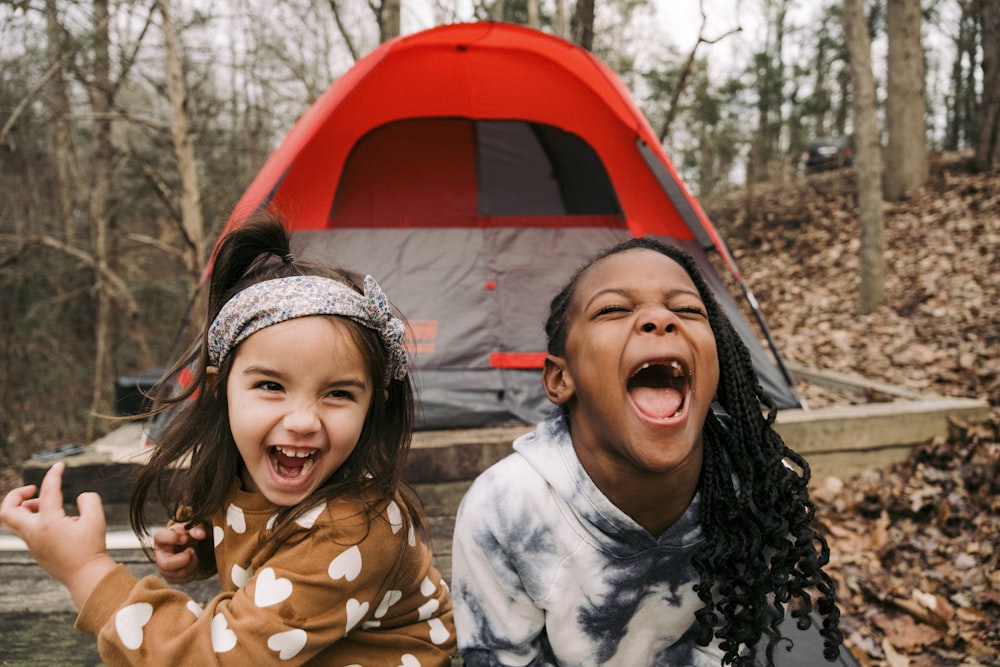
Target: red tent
x=471 y=169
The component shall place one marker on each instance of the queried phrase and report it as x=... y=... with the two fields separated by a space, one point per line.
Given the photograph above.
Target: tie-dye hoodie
x=547 y=571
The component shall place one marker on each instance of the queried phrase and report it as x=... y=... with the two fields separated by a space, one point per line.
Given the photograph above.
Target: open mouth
x=659 y=389
x=292 y=463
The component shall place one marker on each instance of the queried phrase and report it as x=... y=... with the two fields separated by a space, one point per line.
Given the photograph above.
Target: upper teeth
x=296 y=453
x=674 y=366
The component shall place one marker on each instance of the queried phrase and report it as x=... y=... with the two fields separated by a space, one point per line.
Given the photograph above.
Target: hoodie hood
x=549 y=451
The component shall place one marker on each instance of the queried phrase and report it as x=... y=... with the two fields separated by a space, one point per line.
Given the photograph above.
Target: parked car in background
x=829 y=153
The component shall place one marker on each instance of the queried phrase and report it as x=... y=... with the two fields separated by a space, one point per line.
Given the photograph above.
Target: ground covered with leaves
x=916 y=548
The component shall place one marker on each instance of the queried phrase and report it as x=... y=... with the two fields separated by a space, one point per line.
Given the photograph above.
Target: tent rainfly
x=471 y=169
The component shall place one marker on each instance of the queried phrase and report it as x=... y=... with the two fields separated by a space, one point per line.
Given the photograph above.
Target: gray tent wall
x=444 y=276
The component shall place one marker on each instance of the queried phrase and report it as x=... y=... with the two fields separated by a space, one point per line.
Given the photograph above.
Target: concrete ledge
x=843 y=440
x=444 y=456
x=111 y=464
x=839 y=440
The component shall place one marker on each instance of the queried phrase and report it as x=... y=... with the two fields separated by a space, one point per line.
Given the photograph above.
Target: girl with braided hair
x=654 y=517
x=280 y=466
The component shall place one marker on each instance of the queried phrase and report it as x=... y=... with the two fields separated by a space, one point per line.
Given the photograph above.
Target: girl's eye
x=341 y=394
x=690 y=310
x=615 y=308
x=268 y=385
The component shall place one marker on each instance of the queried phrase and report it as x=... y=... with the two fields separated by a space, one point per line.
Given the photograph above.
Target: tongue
x=657 y=403
x=288 y=466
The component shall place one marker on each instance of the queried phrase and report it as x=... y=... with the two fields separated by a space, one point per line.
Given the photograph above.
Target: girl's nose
x=657 y=320
x=302 y=419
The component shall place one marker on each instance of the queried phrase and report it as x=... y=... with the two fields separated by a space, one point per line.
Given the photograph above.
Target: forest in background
x=129 y=129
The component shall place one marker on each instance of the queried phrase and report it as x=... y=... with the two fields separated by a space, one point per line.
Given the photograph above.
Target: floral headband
x=273 y=301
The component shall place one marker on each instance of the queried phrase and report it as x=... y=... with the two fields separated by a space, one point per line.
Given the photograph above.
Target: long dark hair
x=195 y=457
x=760 y=551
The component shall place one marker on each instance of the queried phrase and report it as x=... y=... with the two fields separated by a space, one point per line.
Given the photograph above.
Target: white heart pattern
x=439 y=633
x=411 y=537
x=270 y=589
x=194 y=608
x=309 y=518
x=427 y=587
x=355 y=612
x=427 y=609
x=223 y=639
x=409 y=660
x=395 y=517
x=346 y=565
x=217 y=534
x=288 y=643
x=239 y=576
x=391 y=597
x=129 y=622
x=235 y=519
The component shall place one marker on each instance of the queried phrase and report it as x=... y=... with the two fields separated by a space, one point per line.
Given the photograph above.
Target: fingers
x=91 y=509
x=198 y=532
x=17 y=498
x=50 y=497
x=174 y=553
x=170 y=538
x=177 y=568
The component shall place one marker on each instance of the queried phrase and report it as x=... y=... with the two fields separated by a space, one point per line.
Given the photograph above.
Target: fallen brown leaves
x=915 y=552
x=939 y=332
x=915 y=548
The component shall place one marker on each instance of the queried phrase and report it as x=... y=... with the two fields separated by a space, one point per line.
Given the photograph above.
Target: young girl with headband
x=284 y=457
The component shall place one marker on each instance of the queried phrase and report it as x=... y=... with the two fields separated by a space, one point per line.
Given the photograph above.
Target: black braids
x=739 y=555
x=717 y=498
x=773 y=499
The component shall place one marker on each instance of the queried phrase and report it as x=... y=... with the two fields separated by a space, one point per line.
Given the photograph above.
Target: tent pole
x=755 y=307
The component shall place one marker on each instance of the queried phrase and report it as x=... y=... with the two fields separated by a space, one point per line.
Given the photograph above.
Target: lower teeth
x=293 y=472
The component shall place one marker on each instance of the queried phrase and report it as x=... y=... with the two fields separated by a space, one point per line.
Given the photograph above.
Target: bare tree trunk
x=906 y=157
x=869 y=159
x=191 y=222
x=388 y=21
x=560 y=26
x=582 y=26
x=63 y=153
x=533 y=14
x=988 y=146
x=100 y=196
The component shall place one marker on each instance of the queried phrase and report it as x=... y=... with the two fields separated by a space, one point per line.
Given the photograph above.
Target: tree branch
x=686 y=72
x=118 y=285
x=343 y=30
x=156 y=243
x=26 y=100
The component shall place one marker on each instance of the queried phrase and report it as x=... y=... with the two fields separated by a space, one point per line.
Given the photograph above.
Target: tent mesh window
x=456 y=172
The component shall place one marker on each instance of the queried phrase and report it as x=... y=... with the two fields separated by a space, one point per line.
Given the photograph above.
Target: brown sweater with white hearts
x=335 y=594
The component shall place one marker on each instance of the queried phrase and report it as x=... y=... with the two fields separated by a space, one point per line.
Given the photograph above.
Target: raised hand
x=70 y=548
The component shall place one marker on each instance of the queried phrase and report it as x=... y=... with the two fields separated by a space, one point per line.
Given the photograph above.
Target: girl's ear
x=556 y=380
x=211 y=376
